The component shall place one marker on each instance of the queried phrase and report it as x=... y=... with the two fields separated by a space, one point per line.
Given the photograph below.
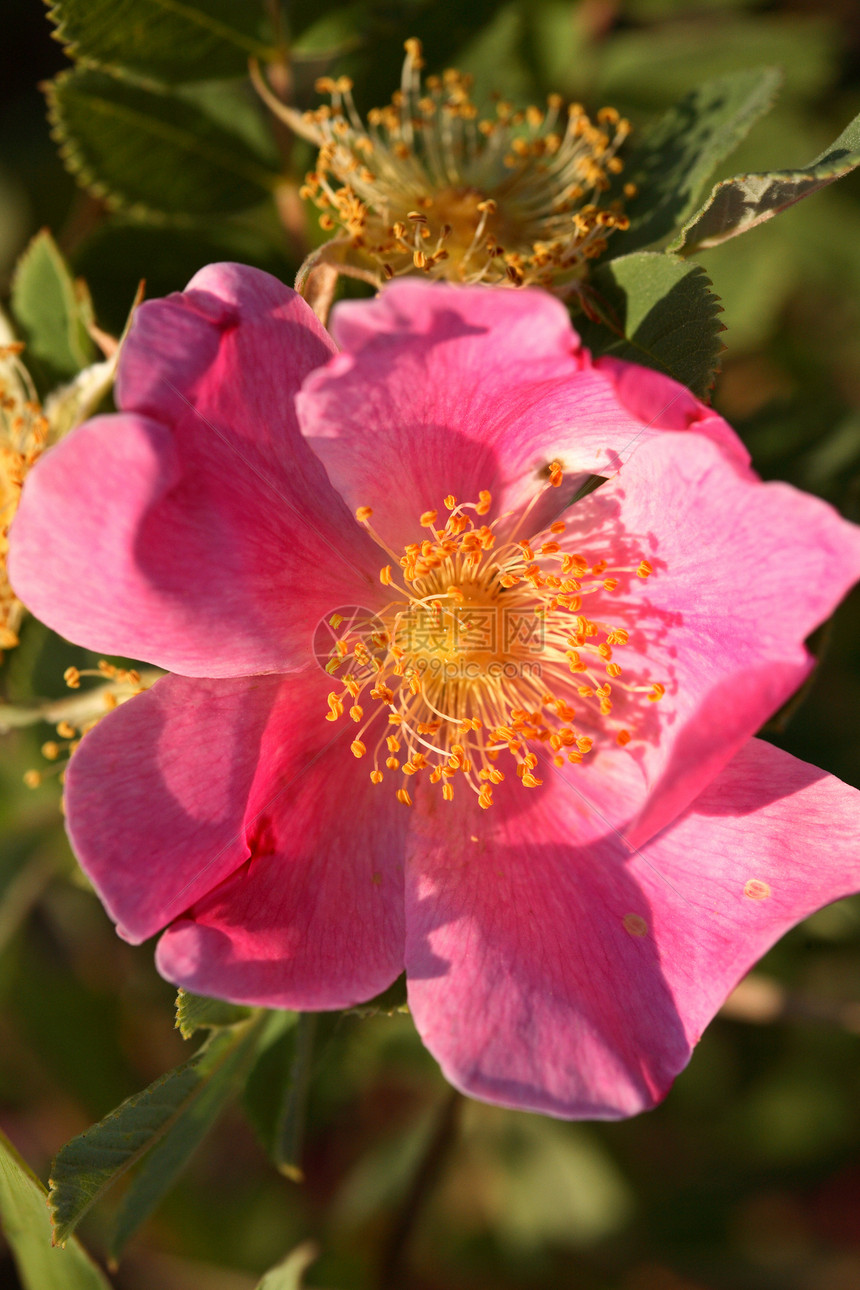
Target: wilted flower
x=388 y=602
x=429 y=186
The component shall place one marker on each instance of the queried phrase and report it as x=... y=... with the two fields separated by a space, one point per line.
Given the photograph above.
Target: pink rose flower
x=527 y=774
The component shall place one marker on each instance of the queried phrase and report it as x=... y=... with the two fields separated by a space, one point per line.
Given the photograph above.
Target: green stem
x=392 y=1270
x=291 y=1121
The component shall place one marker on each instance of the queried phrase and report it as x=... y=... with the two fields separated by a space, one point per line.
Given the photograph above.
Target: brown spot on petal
x=635 y=925
x=755 y=889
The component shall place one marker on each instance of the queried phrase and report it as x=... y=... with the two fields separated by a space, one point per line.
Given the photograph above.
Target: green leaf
x=172 y=40
x=26 y=1224
x=263 y=1095
x=236 y=107
x=194 y=1012
x=52 y=311
x=656 y=310
x=161 y=1126
x=655 y=64
x=332 y=34
x=152 y=151
x=289 y=1274
x=169 y=1156
x=290 y=1127
x=671 y=159
x=741 y=203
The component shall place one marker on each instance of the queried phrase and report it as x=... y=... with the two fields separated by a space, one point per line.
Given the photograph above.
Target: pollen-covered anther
x=431 y=187
x=480 y=651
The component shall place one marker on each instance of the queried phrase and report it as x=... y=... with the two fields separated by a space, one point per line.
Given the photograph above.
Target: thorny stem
x=391 y=1266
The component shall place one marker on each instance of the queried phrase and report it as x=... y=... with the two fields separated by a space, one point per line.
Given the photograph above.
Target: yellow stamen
x=431 y=187
x=480 y=651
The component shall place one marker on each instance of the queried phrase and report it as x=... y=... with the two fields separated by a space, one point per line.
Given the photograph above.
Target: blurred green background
x=748 y=1176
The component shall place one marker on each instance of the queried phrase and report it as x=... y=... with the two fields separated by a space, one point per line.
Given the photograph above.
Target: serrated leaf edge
x=698 y=272
x=253 y=49
x=187 y=1031
x=732 y=133
x=681 y=248
x=63 y=1230
x=68 y=284
x=84 y=174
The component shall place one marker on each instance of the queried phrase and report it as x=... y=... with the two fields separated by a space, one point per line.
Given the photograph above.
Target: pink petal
x=743 y=572
x=157 y=793
x=235 y=812
x=197 y=531
x=551 y=969
x=315 y=919
x=770 y=841
x=668 y=405
x=463 y=389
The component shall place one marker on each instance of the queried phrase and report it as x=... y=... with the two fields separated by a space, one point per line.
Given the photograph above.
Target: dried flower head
x=430 y=186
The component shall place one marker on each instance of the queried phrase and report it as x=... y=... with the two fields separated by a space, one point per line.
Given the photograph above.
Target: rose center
x=482 y=656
